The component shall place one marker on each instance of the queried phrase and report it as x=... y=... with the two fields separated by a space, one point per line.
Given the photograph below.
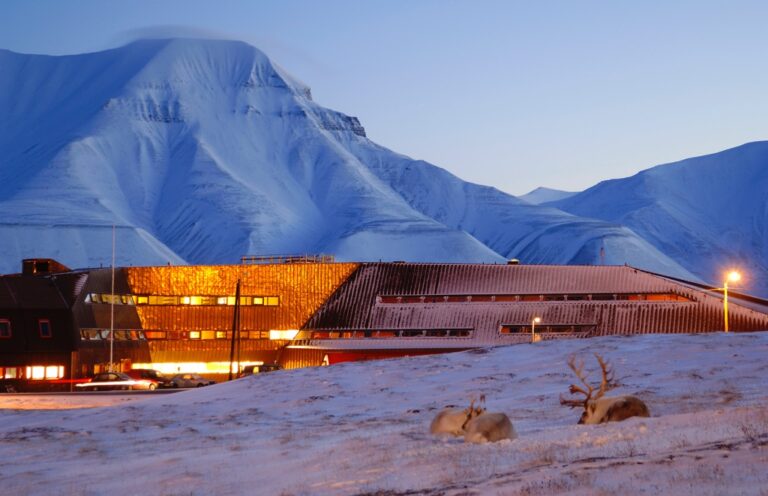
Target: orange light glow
x=283 y=334
x=172 y=368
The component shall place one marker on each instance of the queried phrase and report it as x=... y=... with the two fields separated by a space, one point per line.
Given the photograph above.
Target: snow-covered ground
x=362 y=428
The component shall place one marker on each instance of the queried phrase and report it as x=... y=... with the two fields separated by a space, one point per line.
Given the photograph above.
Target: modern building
x=59 y=326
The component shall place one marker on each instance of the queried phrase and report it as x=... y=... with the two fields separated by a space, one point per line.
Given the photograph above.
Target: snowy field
x=362 y=428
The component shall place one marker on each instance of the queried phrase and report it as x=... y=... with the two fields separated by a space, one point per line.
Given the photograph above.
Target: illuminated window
x=5 y=329
x=155 y=334
x=10 y=373
x=258 y=300
x=194 y=334
x=54 y=372
x=36 y=372
x=221 y=334
x=142 y=300
x=40 y=372
x=163 y=300
x=44 y=326
x=246 y=300
x=113 y=299
x=208 y=335
x=185 y=300
x=271 y=301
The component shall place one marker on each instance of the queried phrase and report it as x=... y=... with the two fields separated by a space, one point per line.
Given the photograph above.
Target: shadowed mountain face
x=708 y=213
x=202 y=151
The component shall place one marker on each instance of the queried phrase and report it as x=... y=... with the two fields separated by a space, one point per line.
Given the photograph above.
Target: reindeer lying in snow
x=489 y=428
x=452 y=421
x=474 y=423
x=598 y=410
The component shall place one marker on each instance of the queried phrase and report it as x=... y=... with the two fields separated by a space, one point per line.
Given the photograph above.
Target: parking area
x=68 y=401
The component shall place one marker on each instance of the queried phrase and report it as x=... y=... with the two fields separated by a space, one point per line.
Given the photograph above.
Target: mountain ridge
x=204 y=151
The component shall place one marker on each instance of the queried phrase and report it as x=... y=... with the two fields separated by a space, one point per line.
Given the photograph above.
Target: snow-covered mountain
x=545 y=195
x=707 y=213
x=202 y=151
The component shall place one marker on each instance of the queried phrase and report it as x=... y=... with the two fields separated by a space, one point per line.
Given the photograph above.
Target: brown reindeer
x=453 y=421
x=600 y=409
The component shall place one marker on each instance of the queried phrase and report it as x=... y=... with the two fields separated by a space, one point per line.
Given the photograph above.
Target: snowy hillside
x=363 y=428
x=543 y=195
x=202 y=151
x=707 y=213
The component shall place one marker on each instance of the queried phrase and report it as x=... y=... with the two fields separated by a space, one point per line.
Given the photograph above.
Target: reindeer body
x=452 y=421
x=600 y=409
x=449 y=421
x=489 y=428
x=613 y=409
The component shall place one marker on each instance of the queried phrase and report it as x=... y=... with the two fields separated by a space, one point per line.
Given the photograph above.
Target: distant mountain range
x=545 y=195
x=707 y=213
x=202 y=151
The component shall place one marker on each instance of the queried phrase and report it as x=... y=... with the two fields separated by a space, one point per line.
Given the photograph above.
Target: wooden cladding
x=502 y=298
x=299 y=288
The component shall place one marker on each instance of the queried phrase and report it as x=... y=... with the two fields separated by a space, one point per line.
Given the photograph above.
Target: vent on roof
x=30 y=266
x=513 y=261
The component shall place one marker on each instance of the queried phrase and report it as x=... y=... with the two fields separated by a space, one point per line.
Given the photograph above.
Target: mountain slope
x=708 y=213
x=544 y=195
x=202 y=151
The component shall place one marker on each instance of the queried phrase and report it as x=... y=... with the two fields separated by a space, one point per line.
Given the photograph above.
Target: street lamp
x=732 y=276
x=535 y=321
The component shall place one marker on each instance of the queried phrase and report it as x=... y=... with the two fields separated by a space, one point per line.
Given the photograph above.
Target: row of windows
x=398 y=333
x=43 y=328
x=34 y=372
x=531 y=297
x=547 y=328
x=149 y=335
x=267 y=301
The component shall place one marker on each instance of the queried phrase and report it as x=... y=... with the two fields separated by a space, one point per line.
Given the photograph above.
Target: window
x=10 y=373
x=5 y=329
x=271 y=301
x=44 y=326
x=194 y=334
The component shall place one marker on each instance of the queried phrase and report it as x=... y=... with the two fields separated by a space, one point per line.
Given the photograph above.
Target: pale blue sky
x=514 y=94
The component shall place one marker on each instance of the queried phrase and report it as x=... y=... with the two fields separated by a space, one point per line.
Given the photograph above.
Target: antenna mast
x=112 y=309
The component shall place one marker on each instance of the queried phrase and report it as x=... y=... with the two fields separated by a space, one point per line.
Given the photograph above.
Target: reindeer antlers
x=587 y=390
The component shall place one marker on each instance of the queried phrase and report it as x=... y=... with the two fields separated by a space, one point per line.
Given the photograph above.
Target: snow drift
x=363 y=428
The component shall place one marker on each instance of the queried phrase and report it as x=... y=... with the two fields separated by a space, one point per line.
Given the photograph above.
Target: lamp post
x=535 y=321
x=732 y=276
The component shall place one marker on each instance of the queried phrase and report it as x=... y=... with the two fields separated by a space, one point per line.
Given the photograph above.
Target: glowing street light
x=732 y=276
x=535 y=321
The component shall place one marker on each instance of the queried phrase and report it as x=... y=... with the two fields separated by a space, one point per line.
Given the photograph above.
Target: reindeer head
x=474 y=411
x=589 y=402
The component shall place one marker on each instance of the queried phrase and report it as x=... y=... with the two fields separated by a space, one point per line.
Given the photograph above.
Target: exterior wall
x=344 y=311
x=301 y=288
x=434 y=306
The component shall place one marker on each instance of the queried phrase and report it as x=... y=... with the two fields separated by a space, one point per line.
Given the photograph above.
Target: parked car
x=190 y=381
x=108 y=381
x=155 y=376
x=259 y=369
